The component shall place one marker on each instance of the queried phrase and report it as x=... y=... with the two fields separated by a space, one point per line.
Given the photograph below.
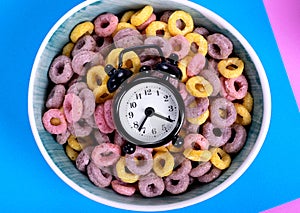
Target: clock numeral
x=133 y=105
x=154 y=131
x=148 y=92
x=136 y=124
x=171 y=108
x=138 y=96
x=166 y=98
x=157 y=92
x=143 y=130
x=164 y=128
x=130 y=115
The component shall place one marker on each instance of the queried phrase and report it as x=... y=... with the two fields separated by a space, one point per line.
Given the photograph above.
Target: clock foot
x=177 y=141
x=129 y=148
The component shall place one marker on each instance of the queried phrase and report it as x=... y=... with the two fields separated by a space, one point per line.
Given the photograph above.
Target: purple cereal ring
x=223 y=91
x=180 y=45
x=83 y=60
x=213 y=79
x=200 y=107
x=61 y=70
x=63 y=137
x=103 y=44
x=216 y=136
x=190 y=128
x=239 y=140
x=123 y=188
x=196 y=64
x=182 y=90
x=222 y=112
x=80 y=128
x=88 y=101
x=72 y=107
x=236 y=87
x=202 y=31
x=213 y=66
x=100 y=120
x=177 y=183
x=194 y=140
x=83 y=159
x=151 y=185
x=127 y=38
x=140 y=162
x=106 y=24
x=100 y=137
x=161 y=42
x=118 y=139
x=106 y=154
x=86 y=42
x=56 y=97
x=200 y=169
x=108 y=114
x=146 y=23
x=97 y=176
x=58 y=128
x=77 y=87
x=211 y=175
x=91 y=121
x=184 y=167
x=166 y=15
x=219 y=46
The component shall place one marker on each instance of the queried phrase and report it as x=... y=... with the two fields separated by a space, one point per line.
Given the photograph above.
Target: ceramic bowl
x=54 y=153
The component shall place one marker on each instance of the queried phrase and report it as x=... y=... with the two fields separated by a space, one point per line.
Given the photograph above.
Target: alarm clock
x=148 y=110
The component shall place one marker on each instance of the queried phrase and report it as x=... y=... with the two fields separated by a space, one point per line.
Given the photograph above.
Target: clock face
x=149 y=112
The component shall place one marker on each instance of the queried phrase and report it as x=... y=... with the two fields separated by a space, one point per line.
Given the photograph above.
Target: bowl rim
x=135 y=207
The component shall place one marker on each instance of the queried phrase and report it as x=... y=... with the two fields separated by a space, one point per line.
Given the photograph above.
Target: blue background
x=28 y=183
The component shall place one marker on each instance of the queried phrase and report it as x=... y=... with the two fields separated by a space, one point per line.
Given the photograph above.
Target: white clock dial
x=148 y=112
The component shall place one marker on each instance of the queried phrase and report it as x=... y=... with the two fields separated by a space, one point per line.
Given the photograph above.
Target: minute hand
x=163 y=117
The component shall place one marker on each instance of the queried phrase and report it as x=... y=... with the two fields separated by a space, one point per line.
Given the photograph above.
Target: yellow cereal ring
x=160 y=149
x=123 y=174
x=131 y=61
x=71 y=153
x=155 y=26
x=123 y=25
x=96 y=76
x=248 y=102
x=220 y=158
x=199 y=40
x=67 y=49
x=74 y=144
x=199 y=87
x=126 y=16
x=197 y=155
x=101 y=94
x=141 y=16
x=243 y=116
x=173 y=148
x=187 y=20
x=231 y=67
x=168 y=165
x=113 y=57
x=80 y=30
x=182 y=65
x=200 y=119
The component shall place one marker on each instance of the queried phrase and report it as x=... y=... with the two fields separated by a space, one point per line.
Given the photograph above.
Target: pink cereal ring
x=236 y=87
x=100 y=120
x=192 y=140
x=72 y=107
x=180 y=46
x=56 y=97
x=196 y=64
x=123 y=188
x=106 y=154
x=108 y=114
x=106 y=24
x=223 y=91
x=51 y=114
x=146 y=23
x=88 y=101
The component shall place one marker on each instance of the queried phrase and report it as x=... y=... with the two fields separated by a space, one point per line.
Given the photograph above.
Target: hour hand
x=163 y=117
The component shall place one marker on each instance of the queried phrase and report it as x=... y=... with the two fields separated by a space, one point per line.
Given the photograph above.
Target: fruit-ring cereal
x=180 y=46
x=211 y=175
x=231 y=67
x=106 y=154
x=219 y=46
x=157 y=26
x=141 y=16
x=236 y=87
x=96 y=76
x=60 y=126
x=140 y=162
x=216 y=136
x=123 y=173
x=163 y=163
x=199 y=87
x=73 y=107
x=220 y=158
x=243 y=115
x=195 y=65
x=86 y=42
x=185 y=17
x=200 y=169
x=61 y=70
x=238 y=141
x=98 y=176
x=199 y=40
x=105 y=24
x=71 y=153
x=80 y=30
x=151 y=185
x=123 y=188
x=56 y=96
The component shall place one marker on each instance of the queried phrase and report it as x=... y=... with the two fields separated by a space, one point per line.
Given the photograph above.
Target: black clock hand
x=163 y=117
x=148 y=112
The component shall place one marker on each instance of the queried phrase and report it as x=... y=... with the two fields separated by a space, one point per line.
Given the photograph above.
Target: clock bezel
x=146 y=77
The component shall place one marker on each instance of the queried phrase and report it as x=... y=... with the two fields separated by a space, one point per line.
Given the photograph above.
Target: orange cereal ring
x=231 y=67
x=141 y=16
x=80 y=30
x=243 y=116
x=199 y=40
x=199 y=87
x=220 y=158
x=156 y=26
x=187 y=20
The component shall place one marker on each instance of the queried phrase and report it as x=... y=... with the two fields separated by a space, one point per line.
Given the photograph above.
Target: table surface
x=29 y=184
